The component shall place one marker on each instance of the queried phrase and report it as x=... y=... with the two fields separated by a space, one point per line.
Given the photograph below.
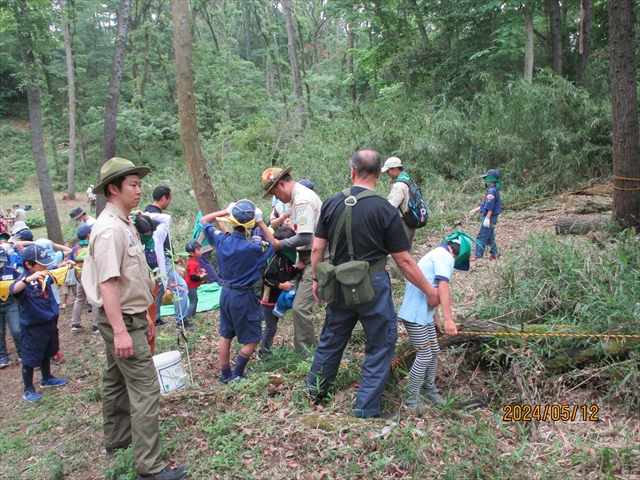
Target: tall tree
x=555 y=21
x=584 y=40
x=109 y=146
x=193 y=157
x=71 y=167
x=528 y=45
x=624 y=110
x=295 y=67
x=32 y=29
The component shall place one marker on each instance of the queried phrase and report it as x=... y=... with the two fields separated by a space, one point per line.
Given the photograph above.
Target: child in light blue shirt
x=421 y=321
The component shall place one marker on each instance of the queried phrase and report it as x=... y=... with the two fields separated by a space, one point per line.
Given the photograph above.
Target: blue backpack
x=417 y=214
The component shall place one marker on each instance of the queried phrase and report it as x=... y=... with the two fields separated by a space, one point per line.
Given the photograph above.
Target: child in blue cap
x=491 y=208
x=421 y=321
x=38 y=319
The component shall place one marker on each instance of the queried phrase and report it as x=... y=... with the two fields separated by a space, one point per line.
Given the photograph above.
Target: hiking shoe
x=94 y=329
x=415 y=404
x=238 y=379
x=432 y=394
x=75 y=327
x=167 y=473
x=224 y=379
x=188 y=326
x=160 y=322
x=53 y=382
x=111 y=451
x=58 y=358
x=4 y=362
x=30 y=395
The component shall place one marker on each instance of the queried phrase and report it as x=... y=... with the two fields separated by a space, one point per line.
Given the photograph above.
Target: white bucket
x=170 y=371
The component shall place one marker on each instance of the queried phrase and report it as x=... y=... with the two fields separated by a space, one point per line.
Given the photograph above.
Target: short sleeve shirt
x=376 y=226
x=436 y=266
x=491 y=201
x=399 y=196
x=305 y=211
x=37 y=301
x=115 y=251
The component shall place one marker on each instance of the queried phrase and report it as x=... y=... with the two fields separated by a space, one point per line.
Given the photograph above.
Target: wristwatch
x=24 y=280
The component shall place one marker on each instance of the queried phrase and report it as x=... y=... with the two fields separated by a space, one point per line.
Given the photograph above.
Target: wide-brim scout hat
x=37 y=254
x=76 y=213
x=115 y=168
x=243 y=214
x=271 y=176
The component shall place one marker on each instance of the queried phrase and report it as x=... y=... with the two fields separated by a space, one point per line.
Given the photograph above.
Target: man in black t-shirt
x=377 y=231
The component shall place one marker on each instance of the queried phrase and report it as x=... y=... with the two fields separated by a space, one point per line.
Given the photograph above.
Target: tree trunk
x=71 y=167
x=624 y=106
x=113 y=92
x=421 y=28
x=194 y=159
x=83 y=154
x=528 y=43
x=555 y=21
x=580 y=225
x=54 y=149
x=350 y=65
x=295 y=68
x=54 y=233
x=584 y=41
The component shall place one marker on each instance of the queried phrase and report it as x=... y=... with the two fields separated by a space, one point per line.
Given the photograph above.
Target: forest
x=209 y=93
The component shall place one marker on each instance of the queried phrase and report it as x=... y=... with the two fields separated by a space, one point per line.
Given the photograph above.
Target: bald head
x=366 y=163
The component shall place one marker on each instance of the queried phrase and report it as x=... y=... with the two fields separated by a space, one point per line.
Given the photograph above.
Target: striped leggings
x=423 y=371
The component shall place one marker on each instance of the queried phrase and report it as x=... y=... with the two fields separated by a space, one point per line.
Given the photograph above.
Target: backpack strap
x=345 y=219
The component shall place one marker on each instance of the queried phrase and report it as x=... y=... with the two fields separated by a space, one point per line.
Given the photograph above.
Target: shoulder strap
x=345 y=219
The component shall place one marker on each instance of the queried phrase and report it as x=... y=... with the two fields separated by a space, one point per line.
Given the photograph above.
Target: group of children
x=244 y=257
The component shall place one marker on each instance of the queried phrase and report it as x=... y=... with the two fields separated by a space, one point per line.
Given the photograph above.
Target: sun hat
x=243 y=214
x=391 y=162
x=76 y=213
x=307 y=183
x=83 y=231
x=192 y=246
x=271 y=176
x=38 y=254
x=18 y=227
x=115 y=168
x=25 y=235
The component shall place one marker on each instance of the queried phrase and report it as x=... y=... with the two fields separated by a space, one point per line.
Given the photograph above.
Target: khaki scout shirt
x=115 y=252
x=399 y=197
x=305 y=211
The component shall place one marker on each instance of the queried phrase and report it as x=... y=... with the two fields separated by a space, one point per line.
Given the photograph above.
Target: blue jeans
x=487 y=237
x=9 y=315
x=193 y=303
x=380 y=324
x=180 y=294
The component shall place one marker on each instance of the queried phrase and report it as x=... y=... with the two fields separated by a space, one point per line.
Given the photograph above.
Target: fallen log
x=580 y=225
x=565 y=359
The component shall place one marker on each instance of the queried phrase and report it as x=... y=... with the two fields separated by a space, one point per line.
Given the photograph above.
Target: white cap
x=392 y=162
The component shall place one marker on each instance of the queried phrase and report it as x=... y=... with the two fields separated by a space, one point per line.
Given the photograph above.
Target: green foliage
x=16 y=159
x=36 y=221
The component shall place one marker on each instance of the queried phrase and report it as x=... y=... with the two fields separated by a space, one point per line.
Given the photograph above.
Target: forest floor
x=269 y=428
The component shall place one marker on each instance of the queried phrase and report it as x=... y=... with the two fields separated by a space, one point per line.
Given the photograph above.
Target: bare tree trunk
x=584 y=41
x=421 y=28
x=295 y=68
x=350 y=66
x=624 y=107
x=113 y=92
x=556 y=35
x=54 y=149
x=528 y=45
x=580 y=225
x=71 y=167
x=54 y=233
x=194 y=159
x=83 y=154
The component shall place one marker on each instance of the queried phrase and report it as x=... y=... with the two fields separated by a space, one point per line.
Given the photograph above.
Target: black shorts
x=38 y=342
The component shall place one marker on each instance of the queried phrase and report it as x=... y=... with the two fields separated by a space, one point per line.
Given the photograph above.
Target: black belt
x=233 y=287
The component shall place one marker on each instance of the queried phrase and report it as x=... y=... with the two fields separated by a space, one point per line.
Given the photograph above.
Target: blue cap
x=3 y=255
x=192 y=246
x=244 y=211
x=492 y=173
x=307 y=183
x=25 y=235
x=83 y=231
x=37 y=254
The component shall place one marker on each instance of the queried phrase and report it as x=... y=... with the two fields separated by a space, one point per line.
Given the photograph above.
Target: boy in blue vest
x=491 y=208
x=38 y=320
x=240 y=259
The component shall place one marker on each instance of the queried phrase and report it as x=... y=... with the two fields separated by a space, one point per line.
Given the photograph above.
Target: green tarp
x=208 y=299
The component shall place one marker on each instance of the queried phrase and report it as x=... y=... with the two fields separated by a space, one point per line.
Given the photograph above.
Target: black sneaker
x=75 y=327
x=94 y=329
x=224 y=379
x=188 y=326
x=160 y=322
x=167 y=473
